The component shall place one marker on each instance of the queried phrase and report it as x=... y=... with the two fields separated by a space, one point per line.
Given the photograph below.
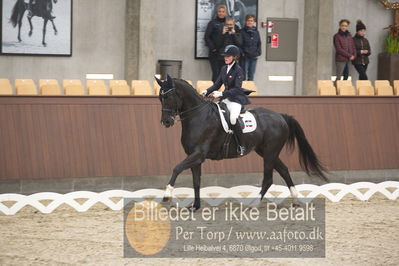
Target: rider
x=234 y=96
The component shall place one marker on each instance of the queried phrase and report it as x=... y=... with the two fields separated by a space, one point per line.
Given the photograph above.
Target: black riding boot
x=239 y=138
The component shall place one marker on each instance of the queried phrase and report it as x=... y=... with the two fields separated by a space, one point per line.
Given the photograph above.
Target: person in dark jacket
x=231 y=34
x=214 y=40
x=344 y=48
x=234 y=96
x=363 y=50
x=251 y=47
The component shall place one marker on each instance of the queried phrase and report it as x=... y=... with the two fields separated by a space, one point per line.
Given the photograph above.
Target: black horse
x=203 y=137
x=40 y=8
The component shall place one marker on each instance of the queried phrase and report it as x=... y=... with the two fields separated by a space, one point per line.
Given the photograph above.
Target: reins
x=180 y=114
x=202 y=105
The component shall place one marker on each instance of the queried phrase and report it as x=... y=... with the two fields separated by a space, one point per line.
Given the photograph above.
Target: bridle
x=174 y=113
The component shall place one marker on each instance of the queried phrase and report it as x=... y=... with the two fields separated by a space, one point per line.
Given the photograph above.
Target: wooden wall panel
x=57 y=137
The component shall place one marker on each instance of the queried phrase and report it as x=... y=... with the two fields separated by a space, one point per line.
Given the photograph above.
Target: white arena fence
x=184 y=196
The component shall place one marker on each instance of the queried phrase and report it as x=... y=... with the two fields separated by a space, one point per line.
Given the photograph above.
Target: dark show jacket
x=215 y=39
x=251 y=43
x=230 y=38
x=361 y=43
x=233 y=85
x=213 y=34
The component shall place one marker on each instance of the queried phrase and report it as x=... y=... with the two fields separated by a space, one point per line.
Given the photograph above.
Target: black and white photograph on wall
x=36 y=27
x=206 y=10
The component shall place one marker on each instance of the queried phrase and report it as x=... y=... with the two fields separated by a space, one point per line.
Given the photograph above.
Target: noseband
x=173 y=113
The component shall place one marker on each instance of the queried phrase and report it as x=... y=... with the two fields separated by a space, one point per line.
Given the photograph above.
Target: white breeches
x=235 y=110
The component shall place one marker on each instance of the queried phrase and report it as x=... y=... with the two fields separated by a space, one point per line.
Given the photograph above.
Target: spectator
x=231 y=34
x=362 y=49
x=344 y=48
x=214 y=41
x=251 y=47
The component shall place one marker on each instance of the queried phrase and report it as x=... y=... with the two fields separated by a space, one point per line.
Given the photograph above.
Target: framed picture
x=206 y=10
x=36 y=27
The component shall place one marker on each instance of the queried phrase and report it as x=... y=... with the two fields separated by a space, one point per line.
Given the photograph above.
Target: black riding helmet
x=231 y=50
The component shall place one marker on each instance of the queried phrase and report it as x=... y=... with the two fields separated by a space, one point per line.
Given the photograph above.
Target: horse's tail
x=17 y=12
x=307 y=157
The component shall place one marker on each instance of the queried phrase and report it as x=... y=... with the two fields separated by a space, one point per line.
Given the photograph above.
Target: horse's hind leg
x=282 y=169
x=268 y=166
x=55 y=29
x=31 y=26
x=267 y=176
x=270 y=155
x=267 y=180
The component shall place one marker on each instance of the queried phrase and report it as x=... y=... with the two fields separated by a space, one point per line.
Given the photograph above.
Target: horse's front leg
x=191 y=161
x=44 y=32
x=55 y=29
x=196 y=171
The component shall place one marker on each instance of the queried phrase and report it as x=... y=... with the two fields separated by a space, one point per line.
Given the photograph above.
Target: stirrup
x=241 y=150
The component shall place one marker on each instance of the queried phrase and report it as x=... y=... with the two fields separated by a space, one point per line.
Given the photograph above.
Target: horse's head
x=170 y=101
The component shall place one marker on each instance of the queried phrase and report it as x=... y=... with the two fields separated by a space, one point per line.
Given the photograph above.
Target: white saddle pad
x=248 y=118
x=249 y=121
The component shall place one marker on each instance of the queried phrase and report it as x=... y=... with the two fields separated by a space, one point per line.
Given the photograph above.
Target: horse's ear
x=158 y=81
x=170 y=81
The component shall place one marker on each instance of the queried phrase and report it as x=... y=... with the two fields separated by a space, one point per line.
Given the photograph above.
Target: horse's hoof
x=166 y=199
x=193 y=208
x=255 y=202
x=55 y=32
x=30 y=34
x=45 y=44
x=296 y=205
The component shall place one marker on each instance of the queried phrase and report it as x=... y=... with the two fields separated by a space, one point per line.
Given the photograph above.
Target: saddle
x=246 y=119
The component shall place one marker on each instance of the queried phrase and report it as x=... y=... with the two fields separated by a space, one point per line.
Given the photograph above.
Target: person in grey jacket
x=251 y=47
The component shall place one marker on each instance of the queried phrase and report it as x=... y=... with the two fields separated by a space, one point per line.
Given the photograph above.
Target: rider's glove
x=217 y=94
x=204 y=92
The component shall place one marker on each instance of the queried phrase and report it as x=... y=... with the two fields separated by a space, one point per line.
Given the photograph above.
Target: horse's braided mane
x=188 y=85
x=185 y=85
